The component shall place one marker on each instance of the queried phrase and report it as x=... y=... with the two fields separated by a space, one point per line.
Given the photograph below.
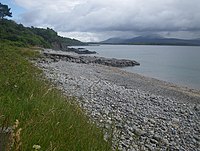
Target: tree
x=4 y=11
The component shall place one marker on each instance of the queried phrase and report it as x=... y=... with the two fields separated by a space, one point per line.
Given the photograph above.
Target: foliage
x=52 y=37
x=26 y=36
x=48 y=38
x=46 y=117
x=4 y=11
x=11 y=31
x=48 y=34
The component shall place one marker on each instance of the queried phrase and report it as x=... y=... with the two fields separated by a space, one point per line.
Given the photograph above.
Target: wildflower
x=36 y=147
x=17 y=135
x=15 y=140
x=16 y=124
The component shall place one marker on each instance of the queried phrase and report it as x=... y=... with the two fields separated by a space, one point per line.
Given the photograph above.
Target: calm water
x=176 y=64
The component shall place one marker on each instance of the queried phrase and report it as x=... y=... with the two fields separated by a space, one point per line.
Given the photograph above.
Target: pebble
x=196 y=137
x=157 y=137
x=153 y=141
x=140 y=118
x=149 y=147
x=165 y=141
x=152 y=121
x=175 y=120
x=138 y=131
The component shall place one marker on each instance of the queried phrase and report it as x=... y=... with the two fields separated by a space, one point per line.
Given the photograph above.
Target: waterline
x=176 y=64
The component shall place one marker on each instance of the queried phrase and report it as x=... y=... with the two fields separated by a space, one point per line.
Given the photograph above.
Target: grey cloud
x=90 y=16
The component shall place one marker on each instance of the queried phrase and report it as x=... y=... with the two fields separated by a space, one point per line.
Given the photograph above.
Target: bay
x=175 y=64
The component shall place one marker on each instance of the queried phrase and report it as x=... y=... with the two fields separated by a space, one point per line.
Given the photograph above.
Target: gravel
x=141 y=112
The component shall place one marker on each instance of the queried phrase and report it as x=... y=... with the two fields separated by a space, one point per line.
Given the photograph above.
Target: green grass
x=46 y=117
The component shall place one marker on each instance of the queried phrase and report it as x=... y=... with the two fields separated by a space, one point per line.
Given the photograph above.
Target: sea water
x=176 y=64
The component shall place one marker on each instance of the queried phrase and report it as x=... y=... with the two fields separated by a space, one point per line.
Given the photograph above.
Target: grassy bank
x=46 y=117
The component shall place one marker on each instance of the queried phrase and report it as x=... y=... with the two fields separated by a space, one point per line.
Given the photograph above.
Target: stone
x=153 y=141
x=165 y=141
x=157 y=137
x=175 y=120
x=138 y=110
x=138 y=131
x=152 y=121
x=196 y=137
x=90 y=59
x=149 y=147
x=5 y=133
x=197 y=107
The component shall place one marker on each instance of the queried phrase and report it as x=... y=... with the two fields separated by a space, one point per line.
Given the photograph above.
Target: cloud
x=112 y=16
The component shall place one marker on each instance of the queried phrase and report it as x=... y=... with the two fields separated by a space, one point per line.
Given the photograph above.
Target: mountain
x=153 y=40
x=114 y=40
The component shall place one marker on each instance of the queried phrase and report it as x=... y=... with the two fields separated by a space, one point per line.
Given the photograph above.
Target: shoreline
x=179 y=85
x=146 y=113
x=166 y=84
x=159 y=62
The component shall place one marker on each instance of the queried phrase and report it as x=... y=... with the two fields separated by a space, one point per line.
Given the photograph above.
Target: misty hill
x=24 y=36
x=152 y=40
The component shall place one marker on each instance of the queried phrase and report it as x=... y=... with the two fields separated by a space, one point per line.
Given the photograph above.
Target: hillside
x=153 y=40
x=33 y=113
x=24 y=36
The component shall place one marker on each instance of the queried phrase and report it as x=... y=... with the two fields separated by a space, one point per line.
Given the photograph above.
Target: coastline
x=146 y=113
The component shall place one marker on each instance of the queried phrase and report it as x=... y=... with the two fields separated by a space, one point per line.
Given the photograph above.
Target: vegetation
x=21 y=36
x=4 y=11
x=52 y=37
x=26 y=36
x=46 y=118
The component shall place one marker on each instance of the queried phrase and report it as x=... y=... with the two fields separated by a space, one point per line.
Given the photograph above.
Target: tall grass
x=46 y=117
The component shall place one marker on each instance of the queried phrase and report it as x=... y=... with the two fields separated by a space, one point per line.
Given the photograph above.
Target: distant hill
x=24 y=36
x=152 y=40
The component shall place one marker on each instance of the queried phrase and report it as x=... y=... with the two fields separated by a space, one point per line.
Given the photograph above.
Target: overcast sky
x=94 y=20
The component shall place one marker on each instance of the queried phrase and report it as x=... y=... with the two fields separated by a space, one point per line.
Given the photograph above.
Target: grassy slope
x=46 y=117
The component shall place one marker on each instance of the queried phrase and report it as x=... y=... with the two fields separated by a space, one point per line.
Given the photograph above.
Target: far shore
x=146 y=113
